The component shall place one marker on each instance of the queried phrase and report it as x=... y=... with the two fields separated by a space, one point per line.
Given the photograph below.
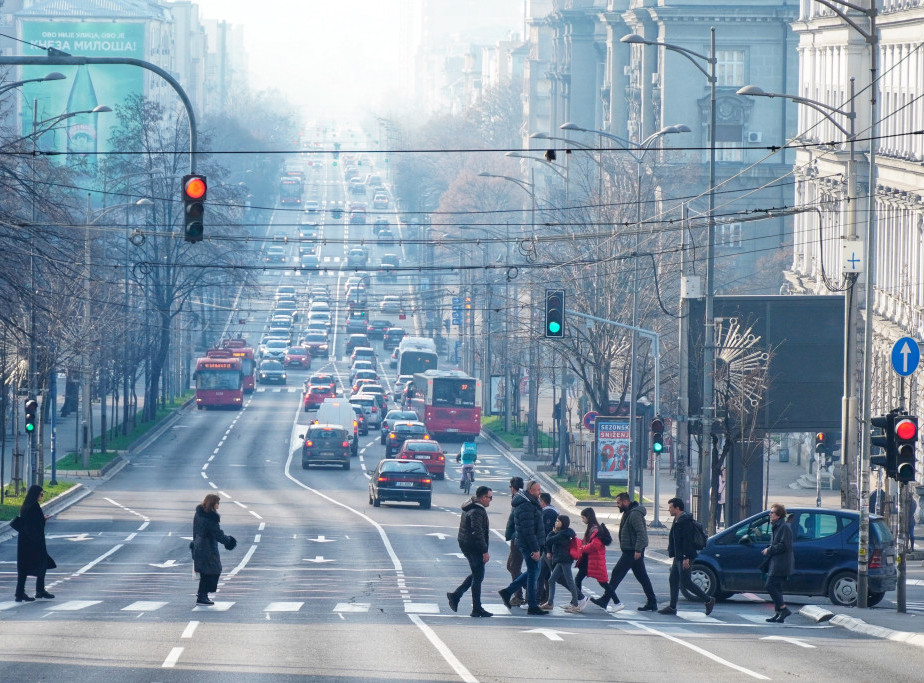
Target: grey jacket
x=633 y=534
x=782 y=558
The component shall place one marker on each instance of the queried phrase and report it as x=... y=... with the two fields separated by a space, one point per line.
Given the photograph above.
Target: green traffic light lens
x=554 y=327
x=658 y=447
x=30 y=427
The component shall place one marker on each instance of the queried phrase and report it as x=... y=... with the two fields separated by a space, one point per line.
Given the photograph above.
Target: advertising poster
x=497 y=395
x=612 y=449
x=85 y=87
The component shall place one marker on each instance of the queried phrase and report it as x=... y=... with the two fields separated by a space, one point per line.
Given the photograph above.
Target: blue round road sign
x=906 y=354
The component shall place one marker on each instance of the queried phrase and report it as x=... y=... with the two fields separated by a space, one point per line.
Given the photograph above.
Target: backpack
x=604 y=534
x=574 y=548
x=699 y=536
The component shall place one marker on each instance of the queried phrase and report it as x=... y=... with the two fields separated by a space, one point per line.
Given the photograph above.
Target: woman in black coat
x=32 y=557
x=780 y=561
x=207 y=534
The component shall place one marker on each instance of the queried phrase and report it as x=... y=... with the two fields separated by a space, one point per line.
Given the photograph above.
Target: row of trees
x=148 y=290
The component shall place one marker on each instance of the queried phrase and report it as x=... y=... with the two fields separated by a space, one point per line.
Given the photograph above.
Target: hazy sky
x=329 y=55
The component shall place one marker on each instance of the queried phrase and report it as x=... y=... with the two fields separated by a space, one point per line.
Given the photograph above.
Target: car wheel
x=441 y=475
x=382 y=440
x=873 y=599
x=304 y=465
x=705 y=578
x=425 y=505
x=376 y=502
x=842 y=590
x=346 y=465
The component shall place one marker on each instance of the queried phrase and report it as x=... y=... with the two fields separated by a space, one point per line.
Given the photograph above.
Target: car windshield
x=270 y=365
x=410 y=429
x=316 y=337
x=423 y=446
x=326 y=433
x=276 y=344
x=401 y=466
x=314 y=389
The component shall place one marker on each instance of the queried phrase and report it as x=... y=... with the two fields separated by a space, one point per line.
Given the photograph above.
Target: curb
x=860 y=626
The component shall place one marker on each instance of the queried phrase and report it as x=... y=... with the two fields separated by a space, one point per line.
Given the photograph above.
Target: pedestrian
x=549 y=518
x=593 y=554
x=780 y=562
x=473 y=542
x=876 y=500
x=558 y=550
x=32 y=558
x=207 y=534
x=681 y=548
x=721 y=518
x=633 y=539
x=912 y=519
x=514 y=558
x=527 y=519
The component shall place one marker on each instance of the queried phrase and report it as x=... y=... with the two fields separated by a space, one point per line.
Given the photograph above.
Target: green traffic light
x=657 y=447
x=30 y=427
x=554 y=327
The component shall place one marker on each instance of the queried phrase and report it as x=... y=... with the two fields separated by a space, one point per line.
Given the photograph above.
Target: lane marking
x=172 y=658
x=190 y=629
x=143 y=526
x=88 y=567
x=243 y=562
x=794 y=641
x=442 y=648
x=699 y=650
x=255 y=514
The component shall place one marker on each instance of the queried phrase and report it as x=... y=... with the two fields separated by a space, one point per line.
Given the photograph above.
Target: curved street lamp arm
x=836 y=8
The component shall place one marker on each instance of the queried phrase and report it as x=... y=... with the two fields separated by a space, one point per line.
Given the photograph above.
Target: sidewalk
x=878 y=622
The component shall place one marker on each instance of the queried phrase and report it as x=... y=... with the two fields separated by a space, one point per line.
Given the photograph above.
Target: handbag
x=16 y=524
x=764 y=566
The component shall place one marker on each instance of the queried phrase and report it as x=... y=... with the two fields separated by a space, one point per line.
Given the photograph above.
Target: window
x=729 y=68
x=815 y=525
x=728 y=235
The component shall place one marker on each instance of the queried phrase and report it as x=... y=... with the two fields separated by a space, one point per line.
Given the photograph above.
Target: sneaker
x=572 y=609
x=505 y=596
x=649 y=607
x=204 y=601
x=536 y=611
x=582 y=603
x=24 y=598
x=517 y=601
x=599 y=602
x=481 y=613
x=45 y=595
x=616 y=607
x=710 y=605
x=667 y=610
x=546 y=605
x=453 y=601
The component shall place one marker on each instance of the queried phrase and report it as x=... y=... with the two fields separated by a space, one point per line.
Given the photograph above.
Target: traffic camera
x=194 y=191
x=31 y=415
x=554 y=313
x=906 y=434
x=657 y=435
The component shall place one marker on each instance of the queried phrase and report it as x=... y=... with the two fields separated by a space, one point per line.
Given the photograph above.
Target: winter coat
x=207 y=534
x=510 y=529
x=596 y=556
x=557 y=543
x=680 y=541
x=32 y=556
x=549 y=517
x=473 y=528
x=633 y=534
x=527 y=520
x=780 y=553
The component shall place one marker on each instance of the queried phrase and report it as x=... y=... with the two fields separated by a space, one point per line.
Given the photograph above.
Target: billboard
x=611 y=446
x=85 y=87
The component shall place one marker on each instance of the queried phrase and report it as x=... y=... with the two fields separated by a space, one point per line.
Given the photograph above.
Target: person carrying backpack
x=473 y=542
x=681 y=546
x=558 y=549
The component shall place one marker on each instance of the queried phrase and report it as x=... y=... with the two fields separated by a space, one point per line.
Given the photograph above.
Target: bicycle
x=468 y=476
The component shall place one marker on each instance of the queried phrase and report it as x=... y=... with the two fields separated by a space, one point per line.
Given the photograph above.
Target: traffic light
x=555 y=313
x=906 y=434
x=886 y=441
x=31 y=415
x=657 y=435
x=820 y=446
x=194 y=191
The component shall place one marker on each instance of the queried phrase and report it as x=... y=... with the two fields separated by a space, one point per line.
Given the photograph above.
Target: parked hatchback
x=825 y=544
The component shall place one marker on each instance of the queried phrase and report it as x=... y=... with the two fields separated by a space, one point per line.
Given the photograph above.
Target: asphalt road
x=323 y=586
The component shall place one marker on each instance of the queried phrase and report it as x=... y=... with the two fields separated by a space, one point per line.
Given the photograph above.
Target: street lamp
x=52 y=76
x=708 y=400
x=637 y=151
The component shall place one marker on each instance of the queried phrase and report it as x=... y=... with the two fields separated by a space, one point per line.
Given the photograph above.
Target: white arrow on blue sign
x=905 y=356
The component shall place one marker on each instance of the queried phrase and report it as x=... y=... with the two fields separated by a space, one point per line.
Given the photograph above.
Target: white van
x=338 y=411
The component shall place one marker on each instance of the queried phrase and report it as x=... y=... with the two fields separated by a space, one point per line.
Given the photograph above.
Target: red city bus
x=448 y=402
x=219 y=381
x=239 y=349
x=291 y=188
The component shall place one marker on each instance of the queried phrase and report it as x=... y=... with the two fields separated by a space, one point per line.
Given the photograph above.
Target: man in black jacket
x=680 y=546
x=528 y=528
x=549 y=517
x=514 y=558
x=473 y=542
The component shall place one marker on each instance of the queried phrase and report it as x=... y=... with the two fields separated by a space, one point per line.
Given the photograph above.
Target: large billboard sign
x=86 y=87
x=612 y=449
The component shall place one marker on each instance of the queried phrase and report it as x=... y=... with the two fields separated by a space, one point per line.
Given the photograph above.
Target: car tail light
x=426 y=436
x=425 y=481
x=875 y=560
x=382 y=479
x=346 y=444
x=442 y=458
x=374 y=409
x=355 y=423
x=392 y=436
x=309 y=443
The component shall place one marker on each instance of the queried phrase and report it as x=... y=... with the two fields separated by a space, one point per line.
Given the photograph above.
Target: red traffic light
x=906 y=430
x=194 y=187
x=657 y=425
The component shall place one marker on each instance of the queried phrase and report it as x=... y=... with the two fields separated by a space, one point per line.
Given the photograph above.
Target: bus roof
x=445 y=374
x=417 y=343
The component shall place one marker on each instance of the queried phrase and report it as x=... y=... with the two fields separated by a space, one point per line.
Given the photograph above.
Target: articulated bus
x=448 y=402
x=239 y=349
x=416 y=354
x=219 y=381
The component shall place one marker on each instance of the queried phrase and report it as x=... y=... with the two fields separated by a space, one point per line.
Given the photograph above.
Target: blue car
x=825 y=544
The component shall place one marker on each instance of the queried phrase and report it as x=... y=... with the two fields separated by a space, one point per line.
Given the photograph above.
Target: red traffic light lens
x=195 y=188
x=906 y=430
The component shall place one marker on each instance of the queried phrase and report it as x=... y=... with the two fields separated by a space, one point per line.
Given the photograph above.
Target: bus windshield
x=454 y=392
x=226 y=380
x=413 y=361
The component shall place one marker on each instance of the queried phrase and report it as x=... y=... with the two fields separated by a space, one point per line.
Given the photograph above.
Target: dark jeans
x=680 y=575
x=473 y=580
x=579 y=579
x=39 y=583
x=626 y=562
x=774 y=587
x=529 y=579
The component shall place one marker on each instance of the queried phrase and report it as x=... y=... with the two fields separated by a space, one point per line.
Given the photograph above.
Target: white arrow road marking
x=794 y=641
x=321 y=539
x=318 y=559
x=549 y=633
x=165 y=565
x=440 y=536
x=71 y=537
